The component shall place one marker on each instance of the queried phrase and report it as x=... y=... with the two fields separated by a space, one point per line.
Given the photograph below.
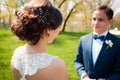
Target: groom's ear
x=110 y=21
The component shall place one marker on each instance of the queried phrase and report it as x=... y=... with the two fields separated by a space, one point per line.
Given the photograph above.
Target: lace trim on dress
x=28 y=64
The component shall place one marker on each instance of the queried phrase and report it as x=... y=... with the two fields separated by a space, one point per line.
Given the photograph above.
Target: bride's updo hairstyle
x=31 y=22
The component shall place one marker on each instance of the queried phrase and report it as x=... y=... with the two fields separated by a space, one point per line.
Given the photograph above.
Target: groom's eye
x=101 y=20
x=93 y=19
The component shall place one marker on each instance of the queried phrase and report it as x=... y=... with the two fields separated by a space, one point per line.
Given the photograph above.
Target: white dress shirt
x=97 y=45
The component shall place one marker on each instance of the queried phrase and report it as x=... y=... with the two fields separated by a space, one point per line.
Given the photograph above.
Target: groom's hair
x=109 y=12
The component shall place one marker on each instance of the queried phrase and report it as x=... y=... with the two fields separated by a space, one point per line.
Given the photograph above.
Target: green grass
x=64 y=46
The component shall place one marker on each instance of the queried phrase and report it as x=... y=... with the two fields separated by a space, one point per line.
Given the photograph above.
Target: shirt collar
x=103 y=34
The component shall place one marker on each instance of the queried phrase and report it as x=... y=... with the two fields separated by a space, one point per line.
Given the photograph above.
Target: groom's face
x=100 y=21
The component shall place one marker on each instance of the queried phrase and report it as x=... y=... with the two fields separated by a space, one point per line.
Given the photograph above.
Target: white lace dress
x=28 y=64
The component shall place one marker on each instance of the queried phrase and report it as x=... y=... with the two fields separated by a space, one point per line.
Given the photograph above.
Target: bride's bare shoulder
x=58 y=61
x=57 y=70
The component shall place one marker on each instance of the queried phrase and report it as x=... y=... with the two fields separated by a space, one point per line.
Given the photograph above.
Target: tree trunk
x=61 y=3
x=68 y=16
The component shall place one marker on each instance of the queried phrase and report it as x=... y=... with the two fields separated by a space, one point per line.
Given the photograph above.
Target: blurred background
x=76 y=13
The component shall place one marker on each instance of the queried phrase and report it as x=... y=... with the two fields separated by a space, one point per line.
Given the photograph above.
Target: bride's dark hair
x=31 y=22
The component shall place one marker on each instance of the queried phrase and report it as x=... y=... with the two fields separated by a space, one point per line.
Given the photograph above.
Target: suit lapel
x=90 y=42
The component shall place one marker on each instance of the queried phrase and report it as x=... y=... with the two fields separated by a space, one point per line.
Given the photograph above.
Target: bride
x=37 y=23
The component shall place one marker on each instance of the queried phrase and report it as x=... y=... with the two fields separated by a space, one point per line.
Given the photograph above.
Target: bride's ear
x=48 y=32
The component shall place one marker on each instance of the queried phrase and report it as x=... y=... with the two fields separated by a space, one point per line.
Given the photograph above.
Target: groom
x=98 y=53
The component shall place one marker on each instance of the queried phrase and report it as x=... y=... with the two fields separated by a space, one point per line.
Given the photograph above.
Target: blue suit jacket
x=107 y=66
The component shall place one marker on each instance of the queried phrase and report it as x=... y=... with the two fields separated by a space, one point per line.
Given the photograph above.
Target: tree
x=65 y=8
x=8 y=9
x=116 y=21
x=59 y=6
x=68 y=16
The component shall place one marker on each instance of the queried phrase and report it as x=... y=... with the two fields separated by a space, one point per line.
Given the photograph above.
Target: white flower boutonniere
x=109 y=43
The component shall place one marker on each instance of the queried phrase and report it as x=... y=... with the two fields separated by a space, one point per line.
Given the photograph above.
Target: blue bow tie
x=99 y=37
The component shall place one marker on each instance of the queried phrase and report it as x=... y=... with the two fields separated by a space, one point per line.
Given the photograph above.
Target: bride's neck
x=40 y=47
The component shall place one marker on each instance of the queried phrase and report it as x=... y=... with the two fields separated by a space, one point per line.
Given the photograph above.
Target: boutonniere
x=109 y=43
